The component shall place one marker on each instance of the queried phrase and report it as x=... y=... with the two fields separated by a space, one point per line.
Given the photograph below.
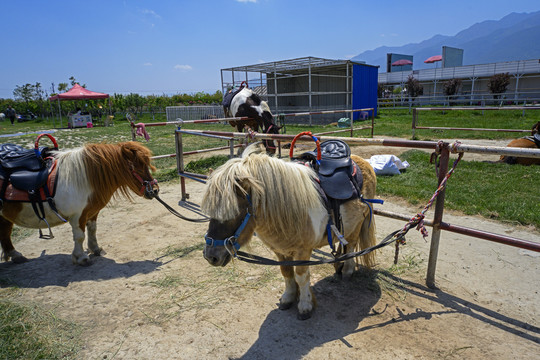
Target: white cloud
x=183 y=67
x=389 y=35
x=151 y=13
x=247 y=1
x=147 y=64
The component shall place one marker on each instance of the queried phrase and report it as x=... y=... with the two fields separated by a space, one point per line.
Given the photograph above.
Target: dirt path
x=153 y=296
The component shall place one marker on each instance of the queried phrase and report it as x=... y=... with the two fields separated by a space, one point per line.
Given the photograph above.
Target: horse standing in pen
x=78 y=184
x=245 y=103
x=280 y=202
x=528 y=142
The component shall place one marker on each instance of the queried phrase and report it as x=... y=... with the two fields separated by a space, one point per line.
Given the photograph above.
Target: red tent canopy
x=77 y=92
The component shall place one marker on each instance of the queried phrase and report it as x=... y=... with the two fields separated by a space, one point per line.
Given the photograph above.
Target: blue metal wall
x=365 y=79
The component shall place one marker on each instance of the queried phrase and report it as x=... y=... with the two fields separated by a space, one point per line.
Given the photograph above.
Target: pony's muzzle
x=151 y=189
x=221 y=258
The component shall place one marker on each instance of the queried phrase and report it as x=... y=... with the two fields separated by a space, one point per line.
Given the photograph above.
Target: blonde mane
x=104 y=168
x=282 y=192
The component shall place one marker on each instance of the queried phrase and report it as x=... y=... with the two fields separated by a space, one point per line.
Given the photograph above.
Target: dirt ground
x=153 y=296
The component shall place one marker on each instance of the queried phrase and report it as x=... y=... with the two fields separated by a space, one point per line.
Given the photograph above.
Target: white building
x=524 y=80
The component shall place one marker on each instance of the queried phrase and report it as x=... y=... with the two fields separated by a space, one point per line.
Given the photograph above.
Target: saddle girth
x=339 y=180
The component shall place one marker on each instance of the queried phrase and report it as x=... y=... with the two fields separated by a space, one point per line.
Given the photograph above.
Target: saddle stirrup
x=45 y=236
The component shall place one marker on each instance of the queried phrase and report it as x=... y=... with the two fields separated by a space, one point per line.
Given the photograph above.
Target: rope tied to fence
x=418 y=219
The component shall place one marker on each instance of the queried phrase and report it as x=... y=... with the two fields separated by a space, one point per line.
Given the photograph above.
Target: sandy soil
x=153 y=296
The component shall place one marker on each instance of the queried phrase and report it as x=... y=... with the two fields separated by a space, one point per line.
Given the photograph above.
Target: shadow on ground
x=57 y=270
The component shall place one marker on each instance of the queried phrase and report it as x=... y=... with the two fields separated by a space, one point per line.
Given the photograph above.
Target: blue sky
x=166 y=46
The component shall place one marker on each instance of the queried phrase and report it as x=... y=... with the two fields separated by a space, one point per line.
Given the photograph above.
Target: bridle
x=146 y=185
x=231 y=243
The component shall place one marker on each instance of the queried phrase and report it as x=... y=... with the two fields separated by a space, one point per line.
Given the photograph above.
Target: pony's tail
x=367 y=239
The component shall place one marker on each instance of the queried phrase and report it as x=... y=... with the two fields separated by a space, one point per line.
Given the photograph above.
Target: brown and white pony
x=524 y=142
x=282 y=205
x=87 y=178
x=248 y=104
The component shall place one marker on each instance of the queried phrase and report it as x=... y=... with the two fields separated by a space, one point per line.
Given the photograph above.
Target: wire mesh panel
x=194 y=112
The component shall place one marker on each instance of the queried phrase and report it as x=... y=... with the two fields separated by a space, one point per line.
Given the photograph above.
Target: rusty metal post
x=231 y=146
x=180 y=163
x=352 y=125
x=372 y=121
x=437 y=219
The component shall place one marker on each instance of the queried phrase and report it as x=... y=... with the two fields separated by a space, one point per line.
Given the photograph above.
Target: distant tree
x=74 y=81
x=62 y=87
x=24 y=93
x=135 y=103
x=498 y=84
x=451 y=88
x=414 y=88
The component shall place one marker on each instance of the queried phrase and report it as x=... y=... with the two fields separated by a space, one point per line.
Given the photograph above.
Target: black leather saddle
x=336 y=170
x=23 y=168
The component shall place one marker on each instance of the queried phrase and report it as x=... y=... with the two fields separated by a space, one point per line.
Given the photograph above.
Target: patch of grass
x=180 y=252
x=203 y=166
x=27 y=331
x=19 y=233
x=493 y=190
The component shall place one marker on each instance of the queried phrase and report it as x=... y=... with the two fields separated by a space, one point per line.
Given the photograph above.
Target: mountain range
x=514 y=37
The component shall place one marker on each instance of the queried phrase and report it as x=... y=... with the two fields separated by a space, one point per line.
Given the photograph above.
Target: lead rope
x=418 y=219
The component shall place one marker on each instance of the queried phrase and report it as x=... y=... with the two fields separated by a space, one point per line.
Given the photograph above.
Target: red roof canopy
x=433 y=58
x=77 y=92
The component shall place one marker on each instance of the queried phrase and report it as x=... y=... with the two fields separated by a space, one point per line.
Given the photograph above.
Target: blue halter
x=231 y=241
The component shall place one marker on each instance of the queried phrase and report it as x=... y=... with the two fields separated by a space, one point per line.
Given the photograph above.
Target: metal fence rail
x=417 y=111
x=437 y=223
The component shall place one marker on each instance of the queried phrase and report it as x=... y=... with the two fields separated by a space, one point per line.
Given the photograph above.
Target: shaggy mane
x=105 y=168
x=282 y=192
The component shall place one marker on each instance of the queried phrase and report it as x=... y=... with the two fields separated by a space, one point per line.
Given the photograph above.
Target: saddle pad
x=14 y=194
x=339 y=186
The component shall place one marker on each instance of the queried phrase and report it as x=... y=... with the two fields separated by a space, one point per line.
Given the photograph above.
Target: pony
x=279 y=201
x=86 y=180
x=530 y=142
x=245 y=103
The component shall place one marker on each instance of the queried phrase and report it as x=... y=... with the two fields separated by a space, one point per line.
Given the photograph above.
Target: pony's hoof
x=16 y=257
x=82 y=261
x=19 y=259
x=285 y=306
x=99 y=252
x=85 y=262
x=346 y=276
x=338 y=267
x=305 y=316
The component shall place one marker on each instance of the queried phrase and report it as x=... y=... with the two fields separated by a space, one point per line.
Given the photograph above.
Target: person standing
x=10 y=113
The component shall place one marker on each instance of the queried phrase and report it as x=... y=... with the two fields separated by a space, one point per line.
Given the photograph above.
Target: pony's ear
x=134 y=153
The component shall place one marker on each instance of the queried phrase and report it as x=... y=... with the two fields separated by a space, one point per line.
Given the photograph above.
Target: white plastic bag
x=387 y=164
